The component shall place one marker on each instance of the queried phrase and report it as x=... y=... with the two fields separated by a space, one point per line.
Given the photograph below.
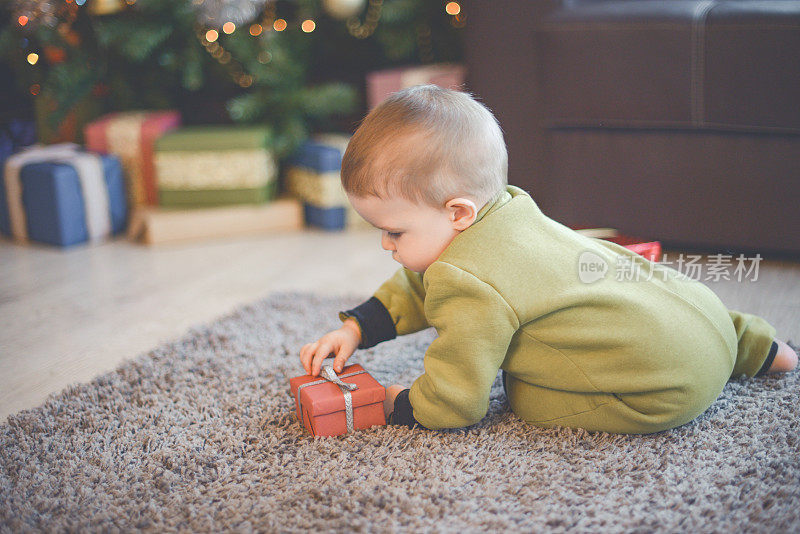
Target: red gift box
x=132 y=137
x=322 y=404
x=650 y=250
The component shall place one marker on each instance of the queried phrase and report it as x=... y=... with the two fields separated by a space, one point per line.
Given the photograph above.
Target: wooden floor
x=67 y=316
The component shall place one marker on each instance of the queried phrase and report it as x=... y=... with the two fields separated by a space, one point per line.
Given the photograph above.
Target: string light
x=279 y=25
x=215 y=50
x=308 y=26
x=229 y=27
x=452 y=8
x=33 y=58
x=363 y=30
x=267 y=20
x=22 y=20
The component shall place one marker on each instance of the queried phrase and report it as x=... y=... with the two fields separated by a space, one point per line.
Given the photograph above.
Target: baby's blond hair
x=428 y=145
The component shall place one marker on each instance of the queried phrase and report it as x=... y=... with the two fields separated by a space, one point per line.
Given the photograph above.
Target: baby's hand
x=342 y=342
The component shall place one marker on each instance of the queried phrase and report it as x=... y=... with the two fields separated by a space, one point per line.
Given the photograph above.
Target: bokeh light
x=33 y=58
x=279 y=25
x=256 y=29
x=211 y=36
x=229 y=27
x=452 y=8
x=308 y=26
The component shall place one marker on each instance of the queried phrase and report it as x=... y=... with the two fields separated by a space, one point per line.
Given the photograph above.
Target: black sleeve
x=403 y=413
x=773 y=350
x=375 y=322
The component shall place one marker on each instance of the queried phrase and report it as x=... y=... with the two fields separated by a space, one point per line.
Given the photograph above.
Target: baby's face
x=415 y=234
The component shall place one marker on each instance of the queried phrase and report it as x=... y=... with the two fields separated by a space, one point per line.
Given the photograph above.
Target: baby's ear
x=462 y=212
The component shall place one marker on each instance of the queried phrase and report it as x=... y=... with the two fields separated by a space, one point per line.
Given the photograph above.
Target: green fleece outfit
x=615 y=355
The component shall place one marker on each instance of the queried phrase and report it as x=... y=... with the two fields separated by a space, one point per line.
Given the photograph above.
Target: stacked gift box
x=313 y=176
x=131 y=136
x=181 y=184
x=214 y=182
x=61 y=195
x=206 y=166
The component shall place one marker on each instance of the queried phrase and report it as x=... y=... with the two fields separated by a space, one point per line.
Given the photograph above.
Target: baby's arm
x=371 y=323
x=396 y=309
x=475 y=326
x=341 y=342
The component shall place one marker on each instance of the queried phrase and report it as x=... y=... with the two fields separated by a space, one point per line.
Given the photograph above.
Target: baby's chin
x=414 y=268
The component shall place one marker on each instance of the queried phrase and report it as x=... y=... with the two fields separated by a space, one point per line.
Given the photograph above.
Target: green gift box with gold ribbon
x=203 y=166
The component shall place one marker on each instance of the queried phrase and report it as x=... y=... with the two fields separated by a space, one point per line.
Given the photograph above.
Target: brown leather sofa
x=675 y=120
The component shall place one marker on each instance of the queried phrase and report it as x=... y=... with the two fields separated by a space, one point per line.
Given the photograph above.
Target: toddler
x=499 y=282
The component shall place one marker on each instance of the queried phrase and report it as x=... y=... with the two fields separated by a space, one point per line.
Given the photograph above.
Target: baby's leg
x=595 y=412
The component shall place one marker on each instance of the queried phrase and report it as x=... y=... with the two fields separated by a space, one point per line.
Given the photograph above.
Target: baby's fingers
x=341 y=358
x=322 y=352
x=306 y=353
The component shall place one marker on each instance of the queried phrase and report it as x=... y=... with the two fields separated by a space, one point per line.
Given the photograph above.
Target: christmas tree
x=296 y=66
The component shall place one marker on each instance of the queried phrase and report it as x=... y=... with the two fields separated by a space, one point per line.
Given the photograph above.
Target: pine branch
x=328 y=99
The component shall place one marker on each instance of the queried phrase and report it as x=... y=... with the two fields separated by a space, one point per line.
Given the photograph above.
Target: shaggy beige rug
x=200 y=435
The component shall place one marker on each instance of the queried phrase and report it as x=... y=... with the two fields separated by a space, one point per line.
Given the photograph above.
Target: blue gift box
x=53 y=201
x=318 y=157
x=325 y=218
x=314 y=176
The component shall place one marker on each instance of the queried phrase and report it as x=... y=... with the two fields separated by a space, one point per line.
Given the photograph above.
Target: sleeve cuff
x=403 y=414
x=374 y=320
x=773 y=350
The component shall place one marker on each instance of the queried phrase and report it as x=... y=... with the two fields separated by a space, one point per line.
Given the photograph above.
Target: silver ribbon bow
x=329 y=375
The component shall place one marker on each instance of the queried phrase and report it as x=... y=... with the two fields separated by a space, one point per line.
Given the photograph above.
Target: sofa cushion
x=672 y=64
x=752 y=66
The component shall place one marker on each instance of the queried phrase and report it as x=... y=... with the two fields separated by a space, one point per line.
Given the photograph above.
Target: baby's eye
x=394 y=235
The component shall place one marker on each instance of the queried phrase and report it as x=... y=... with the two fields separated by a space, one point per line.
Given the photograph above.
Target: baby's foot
x=785 y=359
